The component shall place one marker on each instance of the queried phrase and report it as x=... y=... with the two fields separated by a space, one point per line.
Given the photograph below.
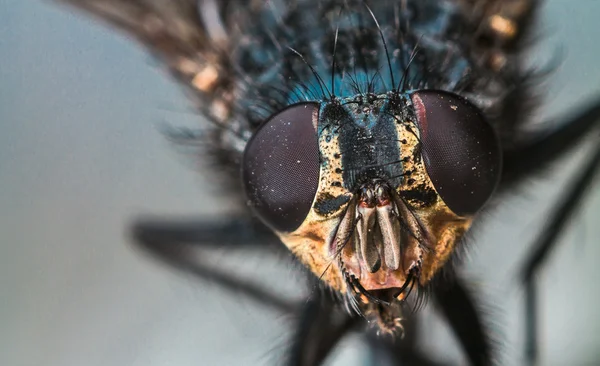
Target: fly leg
x=525 y=161
x=176 y=243
x=322 y=323
x=455 y=301
x=559 y=218
x=232 y=232
x=320 y=327
x=531 y=157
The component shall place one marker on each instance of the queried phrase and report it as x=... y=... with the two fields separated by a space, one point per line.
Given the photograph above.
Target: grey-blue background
x=80 y=156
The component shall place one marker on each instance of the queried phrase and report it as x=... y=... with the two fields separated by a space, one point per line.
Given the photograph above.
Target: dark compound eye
x=281 y=167
x=460 y=149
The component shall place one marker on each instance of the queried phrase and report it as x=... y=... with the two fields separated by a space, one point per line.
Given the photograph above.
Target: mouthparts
x=380 y=244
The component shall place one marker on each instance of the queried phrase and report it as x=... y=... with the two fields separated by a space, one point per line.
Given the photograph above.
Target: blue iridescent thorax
x=316 y=50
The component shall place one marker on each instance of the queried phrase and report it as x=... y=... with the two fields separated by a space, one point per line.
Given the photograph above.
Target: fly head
x=373 y=193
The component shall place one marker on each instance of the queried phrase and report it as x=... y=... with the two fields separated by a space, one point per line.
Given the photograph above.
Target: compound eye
x=461 y=153
x=280 y=168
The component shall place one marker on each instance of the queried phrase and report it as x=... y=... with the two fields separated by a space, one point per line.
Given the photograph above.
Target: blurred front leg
x=177 y=243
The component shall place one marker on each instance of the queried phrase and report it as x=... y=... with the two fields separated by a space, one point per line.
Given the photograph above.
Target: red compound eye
x=280 y=168
x=460 y=149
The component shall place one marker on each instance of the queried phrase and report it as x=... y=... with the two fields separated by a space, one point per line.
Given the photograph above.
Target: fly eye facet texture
x=280 y=167
x=461 y=152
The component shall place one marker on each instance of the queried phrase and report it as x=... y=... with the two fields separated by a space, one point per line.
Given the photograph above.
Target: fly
x=369 y=136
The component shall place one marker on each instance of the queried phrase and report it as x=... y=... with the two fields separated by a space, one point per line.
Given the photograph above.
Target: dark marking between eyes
x=327 y=204
x=421 y=195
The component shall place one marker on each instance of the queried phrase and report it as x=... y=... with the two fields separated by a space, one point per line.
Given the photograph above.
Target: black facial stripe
x=368 y=142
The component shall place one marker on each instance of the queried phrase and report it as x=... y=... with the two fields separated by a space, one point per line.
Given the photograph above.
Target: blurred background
x=81 y=156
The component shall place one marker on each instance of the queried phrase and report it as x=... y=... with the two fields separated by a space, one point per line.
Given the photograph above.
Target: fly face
x=373 y=192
